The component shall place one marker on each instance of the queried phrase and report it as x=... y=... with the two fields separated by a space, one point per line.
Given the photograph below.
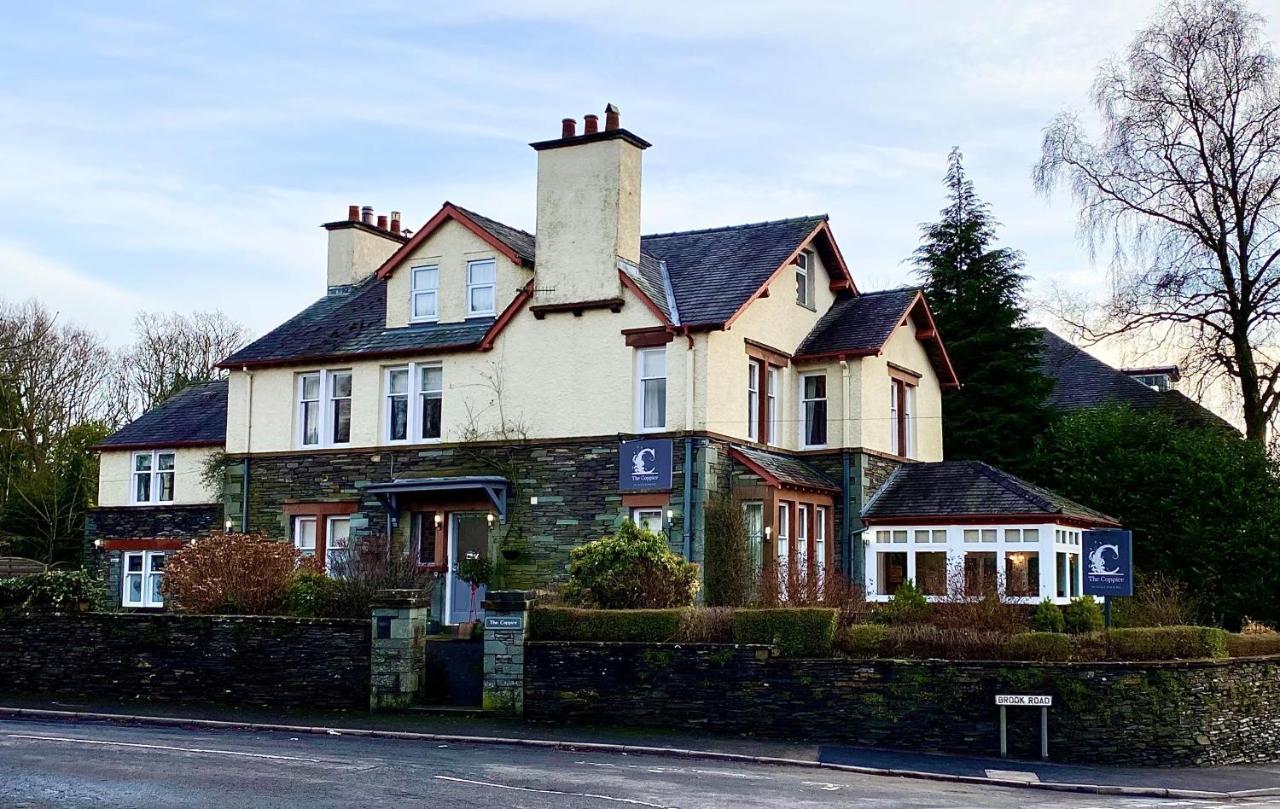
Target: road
x=46 y=764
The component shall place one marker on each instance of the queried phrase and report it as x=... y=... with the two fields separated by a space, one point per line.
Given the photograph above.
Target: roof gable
x=515 y=244
x=194 y=416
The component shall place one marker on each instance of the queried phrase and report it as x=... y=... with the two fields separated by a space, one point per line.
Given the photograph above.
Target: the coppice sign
x=1108 y=563
x=644 y=465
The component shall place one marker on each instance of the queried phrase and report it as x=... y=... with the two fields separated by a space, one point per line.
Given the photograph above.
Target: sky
x=178 y=157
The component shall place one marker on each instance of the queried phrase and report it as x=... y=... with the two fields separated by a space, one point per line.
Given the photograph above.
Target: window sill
x=423 y=321
x=150 y=503
x=480 y=315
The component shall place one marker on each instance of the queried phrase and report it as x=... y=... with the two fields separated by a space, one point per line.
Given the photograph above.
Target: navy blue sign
x=644 y=465
x=1108 y=563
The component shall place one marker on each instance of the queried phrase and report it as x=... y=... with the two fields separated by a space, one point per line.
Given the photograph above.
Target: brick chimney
x=359 y=244
x=588 y=210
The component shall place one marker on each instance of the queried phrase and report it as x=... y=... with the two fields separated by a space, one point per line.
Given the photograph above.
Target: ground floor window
x=1068 y=585
x=979 y=573
x=891 y=572
x=753 y=517
x=1022 y=573
x=143 y=576
x=336 y=551
x=649 y=519
x=322 y=530
x=305 y=535
x=931 y=572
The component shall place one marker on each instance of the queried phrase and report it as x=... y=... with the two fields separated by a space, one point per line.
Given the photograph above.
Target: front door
x=468 y=534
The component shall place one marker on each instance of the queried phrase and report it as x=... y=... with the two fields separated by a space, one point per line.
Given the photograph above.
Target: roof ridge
x=903 y=288
x=470 y=212
x=823 y=217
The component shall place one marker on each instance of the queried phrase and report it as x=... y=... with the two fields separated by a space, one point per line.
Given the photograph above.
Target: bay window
x=414 y=415
x=324 y=408
x=651 y=389
x=153 y=472
x=142 y=576
x=813 y=401
x=424 y=292
x=481 y=282
x=802 y=535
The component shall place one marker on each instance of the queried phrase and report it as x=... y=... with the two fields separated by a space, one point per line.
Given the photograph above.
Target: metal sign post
x=1041 y=701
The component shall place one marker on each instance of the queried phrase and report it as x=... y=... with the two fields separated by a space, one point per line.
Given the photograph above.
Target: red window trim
x=143 y=544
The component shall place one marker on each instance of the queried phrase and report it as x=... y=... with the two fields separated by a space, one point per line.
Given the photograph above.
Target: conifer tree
x=975 y=291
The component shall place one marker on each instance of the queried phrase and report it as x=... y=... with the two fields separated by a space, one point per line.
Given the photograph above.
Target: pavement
x=472 y=729
x=83 y=764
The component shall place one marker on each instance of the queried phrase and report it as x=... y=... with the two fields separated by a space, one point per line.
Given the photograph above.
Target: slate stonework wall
x=133 y=522
x=1169 y=714
x=280 y=663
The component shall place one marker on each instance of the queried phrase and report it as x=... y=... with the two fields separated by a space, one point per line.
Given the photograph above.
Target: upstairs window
x=431 y=401
x=651 y=389
x=424 y=293
x=753 y=400
x=153 y=476
x=414 y=403
x=813 y=400
x=804 y=278
x=481 y=280
x=324 y=408
x=902 y=399
x=771 y=417
x=397 y=404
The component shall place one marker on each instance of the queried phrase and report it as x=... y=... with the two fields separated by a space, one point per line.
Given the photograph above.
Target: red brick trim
x=763 y=351
x=325 y=508
x=648 y=338
x=143 y=544
x=646 y=500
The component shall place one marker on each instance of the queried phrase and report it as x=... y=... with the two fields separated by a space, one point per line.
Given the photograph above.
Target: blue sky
x=163 y=156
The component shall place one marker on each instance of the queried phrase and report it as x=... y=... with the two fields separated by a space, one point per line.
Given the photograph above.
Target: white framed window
x=324 y=408
x=142 y=576
x=304 y=535
x=414 y=403
x=802 y=534
x=820 y=537
x=337 y=536
x=902 y=428
x=651 y=389
x=804 y=273
x=648 y=518
x=482 y=278
x=784 y=533
x=152 y=478
x=774 y=376
x=813 y=404
x=753 y=400
x=424 y=293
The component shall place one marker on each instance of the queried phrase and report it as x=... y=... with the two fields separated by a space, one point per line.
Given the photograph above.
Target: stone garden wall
x=1190 y=713
x=273 y=662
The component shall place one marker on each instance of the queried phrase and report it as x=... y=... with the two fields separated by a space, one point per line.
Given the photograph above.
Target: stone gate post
x=506 y=624
x=398 y=655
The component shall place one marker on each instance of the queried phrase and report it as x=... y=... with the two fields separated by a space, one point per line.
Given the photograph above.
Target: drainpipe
x=248 y=445
x=846 y=538
x=688 y=499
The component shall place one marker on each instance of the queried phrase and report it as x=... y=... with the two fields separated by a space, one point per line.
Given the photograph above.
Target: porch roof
x=494 y=487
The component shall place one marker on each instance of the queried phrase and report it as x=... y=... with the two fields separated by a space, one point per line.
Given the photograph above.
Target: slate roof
x=195 y=415
x=1082 y=380
x=714 y=271
x=352 y=322
x=518 y=240
x=959 y=488
x=787 y=469
x=861 y=323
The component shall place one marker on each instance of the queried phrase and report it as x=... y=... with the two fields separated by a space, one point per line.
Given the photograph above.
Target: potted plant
x=475 y=570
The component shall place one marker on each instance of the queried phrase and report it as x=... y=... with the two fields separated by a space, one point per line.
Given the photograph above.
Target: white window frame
x=641 y=379
x=329 y=548
x=324 y=405
x=804 y=410
x=803 y=510
x=492 y=286
x=784 y=532
x=415 y=396
x=295 y=533
x=153 y=474
x=753 y=399
x=146 y=576
x=426 y=292
x=774 y=396
x=804 y=270
x=639 y=514
x=820 y=536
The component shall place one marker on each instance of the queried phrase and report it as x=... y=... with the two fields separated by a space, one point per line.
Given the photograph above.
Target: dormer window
x=424 y=294
x=481 y=278
x=804 y=278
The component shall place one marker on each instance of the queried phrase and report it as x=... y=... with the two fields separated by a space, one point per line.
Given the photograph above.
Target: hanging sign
x=1108 y=563
x=644 y=465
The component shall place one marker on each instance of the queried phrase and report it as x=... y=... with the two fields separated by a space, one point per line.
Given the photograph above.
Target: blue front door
x=468 y=534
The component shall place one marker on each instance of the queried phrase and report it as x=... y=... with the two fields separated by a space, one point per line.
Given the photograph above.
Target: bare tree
x=170 y=352
x=1182 y=182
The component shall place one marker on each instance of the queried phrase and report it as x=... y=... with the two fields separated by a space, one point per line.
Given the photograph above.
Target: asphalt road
x=73 y=764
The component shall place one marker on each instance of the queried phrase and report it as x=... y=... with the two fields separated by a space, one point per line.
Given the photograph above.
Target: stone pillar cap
x=508 y=600
x=400 y=598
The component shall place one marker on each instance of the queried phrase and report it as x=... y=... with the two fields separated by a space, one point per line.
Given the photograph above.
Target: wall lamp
x=489 y=518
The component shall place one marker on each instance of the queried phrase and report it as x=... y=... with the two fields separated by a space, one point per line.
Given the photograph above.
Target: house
x=470 y=388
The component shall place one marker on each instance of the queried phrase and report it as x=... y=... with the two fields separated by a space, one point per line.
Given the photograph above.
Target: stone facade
x=281 y=663
x=399 y=648
x=506 y=623
x=147 y=522
x=1166 y=714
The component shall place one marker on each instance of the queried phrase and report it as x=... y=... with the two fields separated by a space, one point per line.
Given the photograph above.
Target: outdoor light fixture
x=227 y=526
x=489 y=518
x=97 y=543
x=439 y=518
x=671 y=515
x=768 y=531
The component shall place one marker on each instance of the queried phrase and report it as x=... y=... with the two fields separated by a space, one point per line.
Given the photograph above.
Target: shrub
x=54 y=590
x=1249 y=626
x=231 y=573
x=923 y=641
x=633 y=569
x=574 y=624
x=370 y=565
x=862 y=640
x=1048 y=618
x=729 y=569
x=1038 y=646
x=309 y=594
x=804 y=586
x=966 y=608
x=1158 y=600
x=907 y=606
x=1253 y=644
x=706 y=625
x=1082 y=615
x=1088 y=646
x=1168 y=643
x=796 y=632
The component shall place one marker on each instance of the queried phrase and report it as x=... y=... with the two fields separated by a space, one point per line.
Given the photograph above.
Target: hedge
x=1168 y=643
x=796 y=632
x=1254 y=645
x=863 y=640
x=575 y=624
x=1038 y=646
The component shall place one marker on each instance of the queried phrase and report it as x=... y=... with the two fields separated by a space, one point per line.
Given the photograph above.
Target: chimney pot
x=353 y=213
x=366 y=214
x=395 y=222
x=611 y=117
x=590 y=124
x=566 y=128
x=382 y=222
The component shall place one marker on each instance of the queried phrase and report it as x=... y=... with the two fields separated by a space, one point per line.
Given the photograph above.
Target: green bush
x=1168 y=643
x=1039 y=646
x=929 y=642
x=1048 y=618
x=730 y=570
x=1258 y=644
x=310 y=594
x=633 y=569
x=906 y=607
x=55 y=590
x=862 y=640
x=574 y=624
x=797 y=632
x=1082 y=615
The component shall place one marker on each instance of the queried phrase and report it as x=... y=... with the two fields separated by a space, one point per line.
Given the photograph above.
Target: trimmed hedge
x=1046 y=646
x=1168 y=643
x=863 y=640
x=1260 y=644
x=796 y=631
x=575 y=624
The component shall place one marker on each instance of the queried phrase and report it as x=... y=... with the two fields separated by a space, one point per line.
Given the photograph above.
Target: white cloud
x=75 y=296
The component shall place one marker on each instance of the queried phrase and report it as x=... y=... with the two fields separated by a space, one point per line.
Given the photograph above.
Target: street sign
x=644 y=465
x=1024 y=699
x=1108 y=563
